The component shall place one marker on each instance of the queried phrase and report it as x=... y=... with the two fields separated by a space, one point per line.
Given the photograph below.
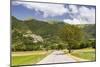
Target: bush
x=86 y=44
x=93 y=44
x=83 y=45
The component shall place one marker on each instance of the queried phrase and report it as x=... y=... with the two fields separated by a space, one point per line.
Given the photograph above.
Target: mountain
x=37 y=27
x=45 y=30
x=90 y=30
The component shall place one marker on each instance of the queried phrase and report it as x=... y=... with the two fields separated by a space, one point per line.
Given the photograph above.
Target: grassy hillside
x=44 y=30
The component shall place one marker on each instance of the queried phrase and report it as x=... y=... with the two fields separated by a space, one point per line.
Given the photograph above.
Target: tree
x=72 y=35
x=17 y=41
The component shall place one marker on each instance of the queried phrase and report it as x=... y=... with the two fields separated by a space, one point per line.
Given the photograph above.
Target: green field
x=88 y=54
x=24 y=58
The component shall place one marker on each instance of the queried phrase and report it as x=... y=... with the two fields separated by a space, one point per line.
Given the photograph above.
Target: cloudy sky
x=73 y=14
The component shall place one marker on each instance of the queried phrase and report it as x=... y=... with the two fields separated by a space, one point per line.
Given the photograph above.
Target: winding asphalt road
x=56 y=57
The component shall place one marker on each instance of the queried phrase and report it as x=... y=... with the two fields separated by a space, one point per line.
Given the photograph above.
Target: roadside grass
x=88 y=54
x=24 y=53
x=31 y=57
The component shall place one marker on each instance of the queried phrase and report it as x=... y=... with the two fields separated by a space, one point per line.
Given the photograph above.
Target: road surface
x=56 y=57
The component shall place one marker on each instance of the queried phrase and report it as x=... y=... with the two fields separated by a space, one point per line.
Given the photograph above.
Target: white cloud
x=47 y=9
x=87 y=14
x=74 y=21
x=73 y=8
x=80 y=15
x=15 y=3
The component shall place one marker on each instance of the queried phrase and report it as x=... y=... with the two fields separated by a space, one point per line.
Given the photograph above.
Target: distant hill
x=46 y=30
x=37 y=27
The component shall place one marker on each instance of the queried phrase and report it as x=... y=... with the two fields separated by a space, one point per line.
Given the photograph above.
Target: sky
x=68 y=13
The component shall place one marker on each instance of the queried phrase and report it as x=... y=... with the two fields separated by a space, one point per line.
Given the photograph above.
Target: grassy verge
x=24 y=58
x=88 y=54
